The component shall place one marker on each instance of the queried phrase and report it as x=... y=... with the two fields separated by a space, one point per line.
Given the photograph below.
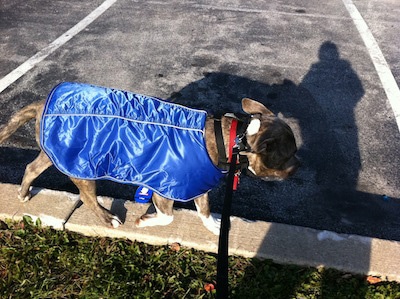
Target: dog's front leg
x=163 y=216
x=211 y=222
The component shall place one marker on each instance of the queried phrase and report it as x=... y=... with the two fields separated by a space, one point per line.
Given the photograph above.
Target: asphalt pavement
x=308 y=62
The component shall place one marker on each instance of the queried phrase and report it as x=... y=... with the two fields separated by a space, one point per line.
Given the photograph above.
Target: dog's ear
x=253 y=107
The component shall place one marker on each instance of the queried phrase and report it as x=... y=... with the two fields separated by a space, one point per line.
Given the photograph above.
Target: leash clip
x=241 y=142
x=238 y=141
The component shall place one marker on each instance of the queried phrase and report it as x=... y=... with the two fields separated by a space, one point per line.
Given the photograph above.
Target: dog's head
x=272 y=146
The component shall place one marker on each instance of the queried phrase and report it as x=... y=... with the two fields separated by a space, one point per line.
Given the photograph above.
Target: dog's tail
x=20 y=118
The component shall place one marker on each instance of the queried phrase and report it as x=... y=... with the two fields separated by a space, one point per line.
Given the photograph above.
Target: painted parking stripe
x=17 y=73
x=388 y=82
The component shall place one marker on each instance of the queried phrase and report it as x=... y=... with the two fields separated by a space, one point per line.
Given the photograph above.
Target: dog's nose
x=293 y=164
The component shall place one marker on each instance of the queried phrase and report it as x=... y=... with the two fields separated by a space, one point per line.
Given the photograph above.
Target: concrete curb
x=280 y=242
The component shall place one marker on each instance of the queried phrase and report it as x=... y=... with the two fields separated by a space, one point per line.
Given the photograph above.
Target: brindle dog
x=271 y=156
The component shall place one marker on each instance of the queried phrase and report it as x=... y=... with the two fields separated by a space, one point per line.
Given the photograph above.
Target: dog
x=269 y=149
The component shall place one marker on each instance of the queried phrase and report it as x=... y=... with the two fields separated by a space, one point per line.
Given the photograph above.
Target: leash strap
x=223 y=243
x=236 y=162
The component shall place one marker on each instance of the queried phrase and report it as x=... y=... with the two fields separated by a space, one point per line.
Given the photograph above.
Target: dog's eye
x=271 y=161
x=275 y=159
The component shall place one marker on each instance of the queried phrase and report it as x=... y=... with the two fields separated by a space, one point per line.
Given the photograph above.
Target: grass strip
x=38 y=262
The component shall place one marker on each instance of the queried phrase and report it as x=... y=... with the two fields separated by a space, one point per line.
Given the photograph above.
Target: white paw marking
x=212 y=223
x=115 y=222
x=154 y=220
x=24 y=199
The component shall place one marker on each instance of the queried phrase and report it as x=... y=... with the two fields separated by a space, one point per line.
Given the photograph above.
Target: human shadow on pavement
x=326 y=100
x=323 y=194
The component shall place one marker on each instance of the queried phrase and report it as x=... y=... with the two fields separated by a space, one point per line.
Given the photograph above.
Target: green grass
x=38 y=262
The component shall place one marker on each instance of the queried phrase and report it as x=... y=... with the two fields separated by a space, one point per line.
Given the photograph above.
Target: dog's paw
x=154 y=220
x=212 y=223
x=115 y=222
x=24 y=198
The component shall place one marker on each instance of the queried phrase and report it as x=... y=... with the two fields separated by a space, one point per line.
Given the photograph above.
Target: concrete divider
x=279 y=242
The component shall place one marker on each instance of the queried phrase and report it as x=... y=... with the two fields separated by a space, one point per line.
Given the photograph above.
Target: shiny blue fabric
x=92 y=132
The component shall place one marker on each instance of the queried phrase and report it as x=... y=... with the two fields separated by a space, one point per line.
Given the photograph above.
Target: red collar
x=237 y=138
x=232 y=138
x=232 y=143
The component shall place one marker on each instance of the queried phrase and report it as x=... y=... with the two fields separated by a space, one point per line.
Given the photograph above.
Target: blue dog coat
x=92 y=132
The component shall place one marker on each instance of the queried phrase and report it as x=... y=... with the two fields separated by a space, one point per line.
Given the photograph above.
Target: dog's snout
x=293 y=164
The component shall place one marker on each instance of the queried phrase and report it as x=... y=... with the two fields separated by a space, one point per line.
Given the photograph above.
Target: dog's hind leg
x=32 y=171
x=87 y=192
x=163 y=216
x=211 y=222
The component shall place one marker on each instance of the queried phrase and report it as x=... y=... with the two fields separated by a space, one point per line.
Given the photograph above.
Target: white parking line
x=42 y=54
x=388 y=82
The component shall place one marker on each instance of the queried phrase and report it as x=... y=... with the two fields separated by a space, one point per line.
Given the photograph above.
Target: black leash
x=234 y=163
x=222 y=262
